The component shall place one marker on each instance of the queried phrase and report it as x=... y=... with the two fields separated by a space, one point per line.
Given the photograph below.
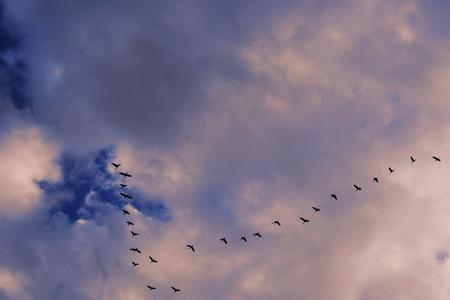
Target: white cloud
x=26 y=157
x=13 y=284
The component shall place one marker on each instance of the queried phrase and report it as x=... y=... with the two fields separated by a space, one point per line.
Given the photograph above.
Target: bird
x=125 y=174
x=134 y=233
x=224 y=240
x=375 y=179
x=191 y=247
x=151 y=287
x=125 y=212
x=175 y=289
x=134 y=264
x=316 y=209
x=130 y=223
x=333 y=196
x=126 y=195
x=357 y=187
x=244 y=239
x=153 y=260
x=116 y=165
x=436 y=158
x=413 y=160
x=391 y=170
x=135 y=250
x=304 y=220
x=276 y=222
x=257 y=234
x=123 y=185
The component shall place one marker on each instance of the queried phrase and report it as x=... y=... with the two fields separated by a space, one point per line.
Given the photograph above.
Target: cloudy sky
x=229 y=115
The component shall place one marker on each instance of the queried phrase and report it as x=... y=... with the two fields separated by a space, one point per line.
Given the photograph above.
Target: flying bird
x=134 y=264
x=153 y=260
x=125 y=212
x=134 y=233
x=375 y=179
x=126 y=195
x=125 y=174
x=130 y=223
x=257 y=234
x=123 y=185
x=391 y=170
x=191 y=247
x=175 y=290
x=436 y=158
x=276 y=222
x=135 y=250
x=244 y=239
x=316 y=209
x=151 y=287
x=357 y=187
x=413 y=160
x=304 y=220
x=224 y=240
x=333 y=196
x=116 y=165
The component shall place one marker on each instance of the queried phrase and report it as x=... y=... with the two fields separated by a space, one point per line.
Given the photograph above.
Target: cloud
x=230 y=116
x=27 y=157
x=133 y=82
x=13 y=69
x=13 y=284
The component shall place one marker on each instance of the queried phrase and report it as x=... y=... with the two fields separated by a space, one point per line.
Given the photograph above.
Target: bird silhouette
x=151 y=287
x=125 y=212
x=304 y=220
x=375 y=179
x=126 y=195
x=135 y=250
x=125 y=174
x=436 y=158
x=134 y=264
x=175 y=290
x=130 y=223
x=413 y=160
x=357 y=187
x=191 y=247
x=276 y=222
x=244 y=239
x=257 y=234
x=333 y=196
x=391 y=170
x=116 y=165
x=152 y=260
x=316 y=209
x=224 y=240
x=123 y=185
x=134 y=233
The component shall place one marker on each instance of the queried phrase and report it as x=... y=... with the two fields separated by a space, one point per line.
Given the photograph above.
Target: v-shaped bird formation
x=222 y=240
x=126 y=195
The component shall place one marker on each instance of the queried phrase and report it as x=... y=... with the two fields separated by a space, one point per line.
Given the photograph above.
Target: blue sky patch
x=88 y=190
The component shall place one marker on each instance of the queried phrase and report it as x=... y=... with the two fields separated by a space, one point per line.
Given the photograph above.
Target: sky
x=229 y=115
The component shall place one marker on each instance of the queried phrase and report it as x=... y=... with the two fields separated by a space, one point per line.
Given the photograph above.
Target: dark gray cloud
x=13 y=70
x=108 y=70
x=137 y=71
